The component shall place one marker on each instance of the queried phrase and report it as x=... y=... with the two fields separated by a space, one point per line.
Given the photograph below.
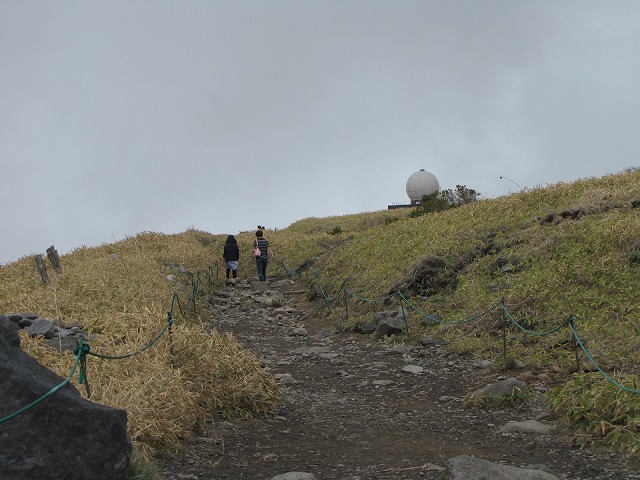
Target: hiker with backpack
x=261 y=252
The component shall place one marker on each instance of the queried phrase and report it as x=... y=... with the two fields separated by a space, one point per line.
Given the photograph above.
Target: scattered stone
x=415 y=369
x=402 y=349
x=388 y=327
x=300 y=332
x=327 y=355
x=366 y=328
x=379 y=316
x=431 y=320
x=58 y=335
x=382 y=383
x=464 y=467
x=257 y=286
x=311 y=350
x=179 y=268
x=40 y=327
x=218 y=299
x=282 y=283
x=25 y=322
x=268 y=301
x=446 y=398
x=502 y=388
x=527 y=426
x=61 y=344
x=295 y=476
x=482 y=364
x=284 y=379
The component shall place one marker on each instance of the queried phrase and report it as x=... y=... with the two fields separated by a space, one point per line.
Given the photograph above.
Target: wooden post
x=575 y=348
x=173 y=367
x=346 y=305
x=404 y=317
x=52 y=255
x=42 y=269
x=504 y=330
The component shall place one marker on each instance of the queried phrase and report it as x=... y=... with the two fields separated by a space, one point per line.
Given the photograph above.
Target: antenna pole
x=509 y=180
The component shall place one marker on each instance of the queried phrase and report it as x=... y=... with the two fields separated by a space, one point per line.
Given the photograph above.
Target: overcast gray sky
x=123 y=116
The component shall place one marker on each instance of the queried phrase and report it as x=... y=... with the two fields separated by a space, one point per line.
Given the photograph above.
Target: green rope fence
x=166 y=327
x=569 y=321
x=79 y=354
x=83 y=349
x=602 y=372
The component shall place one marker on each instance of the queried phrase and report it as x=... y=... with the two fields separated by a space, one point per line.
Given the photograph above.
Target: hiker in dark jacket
x=231 y=256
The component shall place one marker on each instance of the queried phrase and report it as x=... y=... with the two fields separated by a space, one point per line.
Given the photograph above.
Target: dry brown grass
x=120 y=293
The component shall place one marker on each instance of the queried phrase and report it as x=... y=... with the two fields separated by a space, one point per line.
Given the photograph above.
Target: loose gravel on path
x=349 y=411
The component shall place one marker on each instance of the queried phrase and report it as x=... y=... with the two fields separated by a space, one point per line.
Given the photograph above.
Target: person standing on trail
x=262 y=244
x=231 y=256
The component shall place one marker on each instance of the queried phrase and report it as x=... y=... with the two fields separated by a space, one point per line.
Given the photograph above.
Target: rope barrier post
x=285 y=268
x=504 y=329
x=175 y=300
x=346 y=305
x=42 y=269
x=575 y=346
x=404 y=317
x=173 y=366
x=195 y=287
x=192 y=300
x=82 y=349
x=85 y=379
x=52 y=255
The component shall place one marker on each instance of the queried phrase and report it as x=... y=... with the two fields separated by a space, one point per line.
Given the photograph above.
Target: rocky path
x=352 y=408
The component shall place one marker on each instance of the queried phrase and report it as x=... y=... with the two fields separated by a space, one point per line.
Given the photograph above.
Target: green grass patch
x=600 y=412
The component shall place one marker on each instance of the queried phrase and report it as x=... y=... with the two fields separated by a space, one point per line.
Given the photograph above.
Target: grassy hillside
x=574 y=249
x=120 y=294
x=569 y=249
x=548 y=252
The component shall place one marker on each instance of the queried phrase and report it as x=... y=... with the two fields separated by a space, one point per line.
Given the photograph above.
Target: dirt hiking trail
x=349 y=410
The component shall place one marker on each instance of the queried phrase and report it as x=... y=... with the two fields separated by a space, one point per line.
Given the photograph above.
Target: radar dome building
x=419 y=184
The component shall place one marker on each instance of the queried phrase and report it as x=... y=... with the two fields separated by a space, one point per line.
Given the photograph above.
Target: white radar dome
x=421 y=183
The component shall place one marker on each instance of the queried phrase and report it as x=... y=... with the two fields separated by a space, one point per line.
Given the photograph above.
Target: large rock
x=64 y=437
x=390 y=326
x=464 y=467
x=40 y=327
